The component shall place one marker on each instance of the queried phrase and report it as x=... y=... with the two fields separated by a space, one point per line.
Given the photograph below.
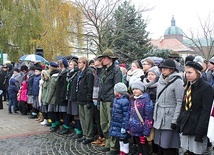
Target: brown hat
x=108 y=53
x=174 y=54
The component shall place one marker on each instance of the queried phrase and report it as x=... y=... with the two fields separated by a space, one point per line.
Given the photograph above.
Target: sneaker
x=44 y=122
x=9 y=112
x=54 y=129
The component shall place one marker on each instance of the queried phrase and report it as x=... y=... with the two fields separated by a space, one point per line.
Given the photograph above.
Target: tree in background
x=203 y=41
x=127 y=33
x=30 y=24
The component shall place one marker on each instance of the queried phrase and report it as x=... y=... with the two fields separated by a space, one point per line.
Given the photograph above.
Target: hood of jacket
x=170 y=77
x=12 y=81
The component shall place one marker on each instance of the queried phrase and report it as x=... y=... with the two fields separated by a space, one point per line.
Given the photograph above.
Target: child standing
x=140 y=121
x=120 y=117
x=12 y=92
x=22 y=98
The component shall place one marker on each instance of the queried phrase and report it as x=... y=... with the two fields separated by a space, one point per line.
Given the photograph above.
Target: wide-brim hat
x=108 y=53
x=168 y=63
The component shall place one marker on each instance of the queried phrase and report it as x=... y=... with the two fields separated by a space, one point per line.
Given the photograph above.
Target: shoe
x=15 y=113
x=105 y=149
x=54 y=129
x=9 y=112
x=76 y=136
x=72 y=134
x=80 y=139
x=32 y=117
x=45 y=121
x=87 y=141
x=112 y=152
x=65 y=131
x=48 y=124
x=103 y=142
x=96 y=142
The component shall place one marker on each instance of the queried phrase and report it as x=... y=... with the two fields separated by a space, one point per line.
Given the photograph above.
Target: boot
x=41 y=119
x=45 y=121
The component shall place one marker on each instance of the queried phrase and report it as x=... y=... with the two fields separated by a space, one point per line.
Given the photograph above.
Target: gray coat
x=168 y=106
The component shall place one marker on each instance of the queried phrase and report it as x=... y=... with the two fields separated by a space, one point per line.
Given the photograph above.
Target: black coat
x=109 y=78
x=85 y=86
x=72 y=82
x=61 y=89
x=195 y=120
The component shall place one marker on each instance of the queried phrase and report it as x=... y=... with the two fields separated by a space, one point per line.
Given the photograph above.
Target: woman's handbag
x=151 y=136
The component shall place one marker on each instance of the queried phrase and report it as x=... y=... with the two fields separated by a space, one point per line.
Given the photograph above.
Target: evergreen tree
x=129 y=37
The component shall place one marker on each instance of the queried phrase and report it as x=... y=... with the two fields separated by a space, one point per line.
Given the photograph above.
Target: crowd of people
x=146 y=108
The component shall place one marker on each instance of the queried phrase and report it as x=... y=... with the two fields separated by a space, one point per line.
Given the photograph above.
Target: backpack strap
x=168 y=85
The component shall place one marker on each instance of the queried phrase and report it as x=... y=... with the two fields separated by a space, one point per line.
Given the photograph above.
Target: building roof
x=173 y=29
x=172 y=44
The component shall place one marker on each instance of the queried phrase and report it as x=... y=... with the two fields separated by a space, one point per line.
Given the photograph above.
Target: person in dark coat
x=111 y=75
x=12 y=91
x=120 y=117
x=195 y=112
x=84 y=89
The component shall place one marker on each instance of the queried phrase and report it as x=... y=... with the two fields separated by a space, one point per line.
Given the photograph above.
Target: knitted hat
x=137 y=84
x=155 y=70
x=120 y=88
x=53 y=64
x=168 y=63
x=65 y=62
x=199 y=60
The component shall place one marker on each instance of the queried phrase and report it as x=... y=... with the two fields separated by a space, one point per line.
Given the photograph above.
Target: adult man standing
x=111 y=76
x=210 y=73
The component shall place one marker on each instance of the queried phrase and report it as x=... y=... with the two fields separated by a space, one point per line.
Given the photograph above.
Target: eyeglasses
x=144 y=64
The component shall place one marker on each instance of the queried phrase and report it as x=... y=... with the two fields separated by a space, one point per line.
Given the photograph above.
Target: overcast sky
x=186 y=14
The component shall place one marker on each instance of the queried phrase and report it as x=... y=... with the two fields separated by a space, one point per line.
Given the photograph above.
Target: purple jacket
x=145 y=107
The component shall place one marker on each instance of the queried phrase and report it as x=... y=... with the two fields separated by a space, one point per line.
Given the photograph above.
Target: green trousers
x=105 y=120
x=86 y=121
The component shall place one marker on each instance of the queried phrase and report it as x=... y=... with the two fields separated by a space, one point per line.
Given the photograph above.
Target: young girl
x=22 y=98
x=140 y=121
x=120 y=117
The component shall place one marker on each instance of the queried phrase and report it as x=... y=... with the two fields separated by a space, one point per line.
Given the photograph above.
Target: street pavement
x=22 y=136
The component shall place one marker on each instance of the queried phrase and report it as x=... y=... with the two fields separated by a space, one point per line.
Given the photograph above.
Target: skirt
x=62 y=108
x=44 y=108
x=72 y=108
x=53 y=108
x=35 y=102
x=167 y=138
x=188 y=143
x=30 y=99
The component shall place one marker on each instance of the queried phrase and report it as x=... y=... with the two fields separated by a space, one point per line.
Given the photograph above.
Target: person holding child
x=120 y=117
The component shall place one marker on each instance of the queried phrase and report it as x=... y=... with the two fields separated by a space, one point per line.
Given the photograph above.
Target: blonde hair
x=45 y=74
x=83 y=60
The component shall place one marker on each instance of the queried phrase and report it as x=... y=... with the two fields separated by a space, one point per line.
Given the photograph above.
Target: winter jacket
x=61 y=88
x=36 y=80
x=195 y=120
x=30 y=84
x=97 y=78
x=111 y=76
x=51 y=92
x=151 y=88
x=145 y=107
x=12 y=89
x=44 y=91
x=168 y=105
x=23 y=92
x=120 y=117
x=71 y=84
x=85 y=83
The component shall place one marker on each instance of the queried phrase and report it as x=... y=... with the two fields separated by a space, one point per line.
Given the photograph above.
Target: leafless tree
x=203 y=42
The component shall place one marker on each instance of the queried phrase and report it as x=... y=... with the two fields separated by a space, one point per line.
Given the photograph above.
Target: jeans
x=12 y=102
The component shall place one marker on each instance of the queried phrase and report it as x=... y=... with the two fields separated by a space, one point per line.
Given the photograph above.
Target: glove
x=173 y=126
x=88 y=105
x=199 y=138
x=122 y=130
